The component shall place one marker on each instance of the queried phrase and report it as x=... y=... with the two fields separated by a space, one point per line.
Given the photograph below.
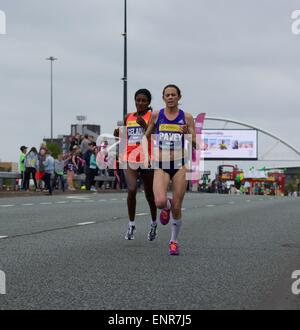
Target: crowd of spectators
x=41 y=172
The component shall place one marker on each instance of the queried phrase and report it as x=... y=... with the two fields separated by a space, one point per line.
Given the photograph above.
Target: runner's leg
x=131 y=177
x=179 y=185
x=160 y=187
x=148 y=178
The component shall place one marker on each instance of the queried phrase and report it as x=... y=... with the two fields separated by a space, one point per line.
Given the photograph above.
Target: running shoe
x=164 y=216
x=152 y=233
x=174 y=248
x=130 y=233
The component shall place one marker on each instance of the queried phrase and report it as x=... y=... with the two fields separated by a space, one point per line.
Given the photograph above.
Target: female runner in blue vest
x=170 y=124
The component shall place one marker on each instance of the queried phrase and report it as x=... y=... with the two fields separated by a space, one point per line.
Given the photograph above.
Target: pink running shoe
x=174 y=248
x=164 y=216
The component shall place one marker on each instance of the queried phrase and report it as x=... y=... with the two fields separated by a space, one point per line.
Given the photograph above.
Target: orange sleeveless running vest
x=134 y=136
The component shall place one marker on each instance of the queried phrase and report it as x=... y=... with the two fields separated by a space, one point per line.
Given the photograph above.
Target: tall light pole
x=51 y=59
x=125 y=62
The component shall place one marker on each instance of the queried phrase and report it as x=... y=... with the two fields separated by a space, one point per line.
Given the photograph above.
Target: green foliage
x=54 y=148
x=290 y=187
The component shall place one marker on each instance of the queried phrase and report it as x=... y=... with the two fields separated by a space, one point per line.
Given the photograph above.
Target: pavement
x=68 y=252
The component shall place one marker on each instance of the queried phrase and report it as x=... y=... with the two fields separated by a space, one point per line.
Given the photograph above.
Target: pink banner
x=196 y=155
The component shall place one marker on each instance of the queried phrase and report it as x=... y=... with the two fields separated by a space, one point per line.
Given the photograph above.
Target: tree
x=54 y=148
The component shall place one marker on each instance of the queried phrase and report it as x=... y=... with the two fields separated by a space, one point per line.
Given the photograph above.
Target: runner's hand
x=116 y=132
x=184 y=129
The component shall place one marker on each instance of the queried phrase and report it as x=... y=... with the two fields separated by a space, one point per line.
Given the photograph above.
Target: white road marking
x=102 y=200
x=6 y=205
x=63 y=202
x=1 y=237
x=85 y=223
x=183 y=209
x=140 y=214
x=78 y=197
x=46 y=203
x=113 y=199
x=28 y=204
x=248 y=200
x=210 y=205
x=231 y=203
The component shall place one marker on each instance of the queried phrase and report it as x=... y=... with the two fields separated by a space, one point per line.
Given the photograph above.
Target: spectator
x=22 y=165
x=72 y=168
x=31 y=165
x=49 y=170
x=41 y=168
x=75 y=141
x=86 y=158
x=93 y=169
x=84 y=146
x=59 y=165
x=79 y=161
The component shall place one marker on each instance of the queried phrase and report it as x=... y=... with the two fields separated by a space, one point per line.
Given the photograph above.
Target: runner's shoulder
x=188 y=116
x=154 y=115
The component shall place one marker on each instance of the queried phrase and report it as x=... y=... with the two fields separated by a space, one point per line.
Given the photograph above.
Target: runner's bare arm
x=191 y=129
x=151 y=125
x=147 y=136
x=117 y=130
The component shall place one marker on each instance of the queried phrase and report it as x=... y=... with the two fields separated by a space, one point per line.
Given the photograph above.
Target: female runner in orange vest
x=136 y=125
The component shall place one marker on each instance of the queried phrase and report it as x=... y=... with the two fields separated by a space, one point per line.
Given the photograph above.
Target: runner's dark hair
x=172 y=86
x=145 y=92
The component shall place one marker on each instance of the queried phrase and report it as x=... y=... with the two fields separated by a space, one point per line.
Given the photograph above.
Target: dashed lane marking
x=77 y=197
x=85 y=223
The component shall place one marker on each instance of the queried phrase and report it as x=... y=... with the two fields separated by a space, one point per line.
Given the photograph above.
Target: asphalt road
x=69 y=252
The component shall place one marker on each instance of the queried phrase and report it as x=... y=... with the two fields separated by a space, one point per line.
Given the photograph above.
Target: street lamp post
x=125 y=62
x=51 y=59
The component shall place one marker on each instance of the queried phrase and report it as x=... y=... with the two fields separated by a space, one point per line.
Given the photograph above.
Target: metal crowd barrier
x=11 y=178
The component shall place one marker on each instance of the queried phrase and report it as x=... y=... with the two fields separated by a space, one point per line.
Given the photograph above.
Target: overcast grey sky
x=231 y=58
